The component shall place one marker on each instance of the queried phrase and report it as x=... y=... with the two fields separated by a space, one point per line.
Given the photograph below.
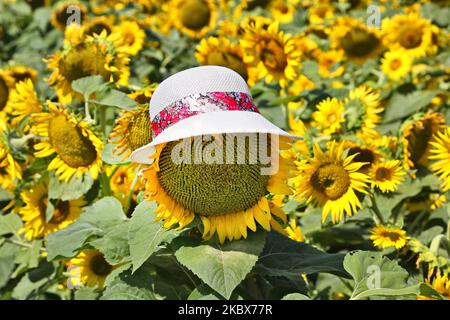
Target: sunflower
x=21 y=73
x=329 y=116
x=356 y=39
x=34 y=212
x=23 y=102
x=330 y=63
x=76 y=148
x=228 y=196
x=294 y=232
x=99 y=24
x=362 y=109
x=320 y=13
x=364 y=152
x=271 y=53
x=440 y=283
x=416 y=137
x=87 y=56
x=90 y=268
x=121 y=181
x=193 y=25
x=332 y=181
x=396 y=64
x=62 y=13
x=440 y=153
x=142 y=96
x=10 y=169
x=221 y=52
x=410 y=33
x=282 y=10
x=385 y=237
x=132 y=37
x=387 y=175
x=132 y=131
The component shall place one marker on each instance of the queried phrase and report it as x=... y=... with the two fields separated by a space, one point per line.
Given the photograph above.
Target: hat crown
x=194 y=81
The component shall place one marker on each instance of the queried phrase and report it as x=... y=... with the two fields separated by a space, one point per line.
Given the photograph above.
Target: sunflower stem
x=87 y=116
x=104 y=182
x=374 y=208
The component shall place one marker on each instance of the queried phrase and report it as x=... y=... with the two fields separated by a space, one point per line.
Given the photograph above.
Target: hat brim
x=220 y=122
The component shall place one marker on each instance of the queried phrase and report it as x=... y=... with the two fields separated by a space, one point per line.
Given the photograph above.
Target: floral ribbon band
x=201 y=103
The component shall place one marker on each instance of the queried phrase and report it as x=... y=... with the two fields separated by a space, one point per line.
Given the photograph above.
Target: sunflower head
x=5 y=84
x=329 y=116
x=77 y=148
x=98 y=25
x=387 y=175
x=34 y=213
x=131 y=38
x=194 y=25
x=10 y=169
x=21 y=73
x=332 y=180
x=132 y=131
x=228 y=191
x=396 y=64
x=385 y=237
x=86 y=56
x=62 y=13
x=416 y=137
x=356 y=39
x=270 y=52
x=221 y=52
x=90 y=268
x=440 y=155
x=410 y=33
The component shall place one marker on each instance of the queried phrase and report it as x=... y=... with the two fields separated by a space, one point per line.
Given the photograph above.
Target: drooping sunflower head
x=416 y=137
x=193 y=25
x=131 y=38
x=332 y=181
x=440 y=154
x=396 y=64
x=63 y=11
x=356 y=39
x=34 y=213
x=441 y=283
x=220 y=180
x=363 y=109
x=132 y=131
x=271 y=53
x=221 y=52
x=75 y=147
x=89 y=268
x=95 y=55
x=387 y=175
x=410 y=33
x=385 y=237
x=329 y=116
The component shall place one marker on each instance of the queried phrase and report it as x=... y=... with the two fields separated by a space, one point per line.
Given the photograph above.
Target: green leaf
x=283 y=257
x=203 y=292
x=145 y=234
x=114 y=244
x=6 y=269
x=375 y=275
x=109 y=157
x=88 y=85
x=86 y=293
x=127 y=286
x=403 y=105
x=295 y=296
x=28 y=258
x=222 y=267
x=10 y=223
x=75 y=188
x=98 y=219
x=114 y=98
x=32 y=281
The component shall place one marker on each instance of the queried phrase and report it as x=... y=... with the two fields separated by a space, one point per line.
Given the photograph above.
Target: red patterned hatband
x=201 y=103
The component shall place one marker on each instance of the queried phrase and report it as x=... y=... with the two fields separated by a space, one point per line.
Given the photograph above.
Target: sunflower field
x=357 y=210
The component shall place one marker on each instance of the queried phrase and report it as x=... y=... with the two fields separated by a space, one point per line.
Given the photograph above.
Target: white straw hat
x=199 y=101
